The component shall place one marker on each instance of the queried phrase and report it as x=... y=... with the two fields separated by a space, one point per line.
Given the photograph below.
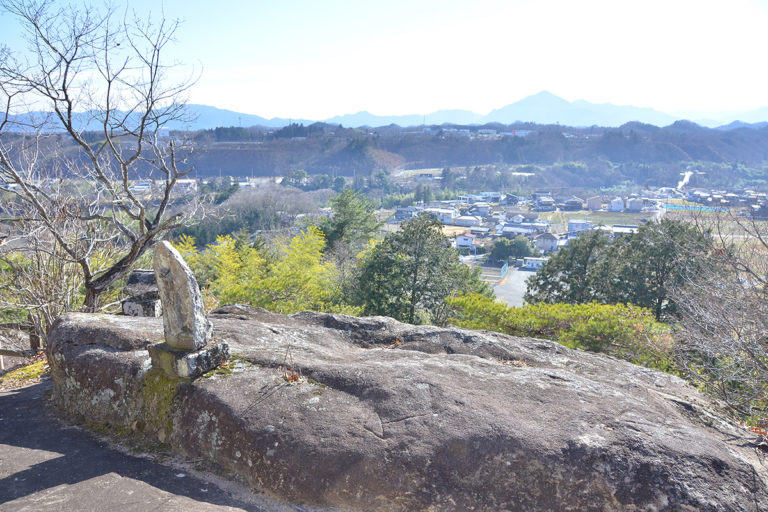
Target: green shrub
x=621 y=330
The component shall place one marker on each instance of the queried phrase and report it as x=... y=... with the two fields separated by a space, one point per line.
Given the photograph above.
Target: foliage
x=642 y=268
x=89 y=69
x=423 y=194
x=569 y=274
x=395 y=199
x=410 y=273
x=265 y=208
x=638 y=268
x=504 y=249
x=300 y=179
x=721 y=336
x=353 y=222
x=293 y=278
x=25 y=375
x=38 y=283
x=621 y=330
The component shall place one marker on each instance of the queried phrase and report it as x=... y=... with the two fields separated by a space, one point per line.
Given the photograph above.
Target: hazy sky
x=318 y=58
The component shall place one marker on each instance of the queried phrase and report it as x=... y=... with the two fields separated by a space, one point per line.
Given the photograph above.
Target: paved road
x=512 y=288
x=46 y=465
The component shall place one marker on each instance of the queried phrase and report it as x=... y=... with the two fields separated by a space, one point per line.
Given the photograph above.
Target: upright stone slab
x=186 y=326
x=142 y=285
x=143 y=296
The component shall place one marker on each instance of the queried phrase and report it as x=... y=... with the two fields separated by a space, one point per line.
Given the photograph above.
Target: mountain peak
x=543 y=99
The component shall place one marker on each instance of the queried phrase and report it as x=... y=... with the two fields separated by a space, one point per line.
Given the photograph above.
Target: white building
x=577 y=225
x=465 y=241
x=444 y=215
x=481 y=208
x=467 y=221
x=617 y=205
x=546 y=242
x=594 y=203
x=634 y=204
x=534 y=263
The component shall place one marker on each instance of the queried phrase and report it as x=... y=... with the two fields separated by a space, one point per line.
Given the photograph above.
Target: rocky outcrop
x=372 y=414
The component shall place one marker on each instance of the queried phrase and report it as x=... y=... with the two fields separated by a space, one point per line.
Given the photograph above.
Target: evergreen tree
x=411 y=272
x=569 y=275
x=639 y=268
x=504 y=248
x=353 y=222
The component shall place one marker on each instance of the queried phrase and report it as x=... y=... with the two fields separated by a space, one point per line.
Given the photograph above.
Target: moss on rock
x=159 y=393
x=28 y=374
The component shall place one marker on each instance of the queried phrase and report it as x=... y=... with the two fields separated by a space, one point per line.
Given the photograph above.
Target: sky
x=314 y=59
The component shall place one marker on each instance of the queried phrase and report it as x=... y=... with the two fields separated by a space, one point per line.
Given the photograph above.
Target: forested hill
x=593 y=157
x=323 y=148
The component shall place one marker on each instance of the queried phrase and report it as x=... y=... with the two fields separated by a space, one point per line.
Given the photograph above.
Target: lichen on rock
x=447 y=419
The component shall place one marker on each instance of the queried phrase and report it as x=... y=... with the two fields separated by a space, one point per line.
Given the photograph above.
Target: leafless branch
x=103 y=80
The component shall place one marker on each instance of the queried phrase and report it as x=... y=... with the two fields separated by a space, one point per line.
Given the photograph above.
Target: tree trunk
x=91 y=299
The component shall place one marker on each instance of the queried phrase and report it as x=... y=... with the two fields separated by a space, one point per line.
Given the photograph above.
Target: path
x=46 y=465
x=512 y=288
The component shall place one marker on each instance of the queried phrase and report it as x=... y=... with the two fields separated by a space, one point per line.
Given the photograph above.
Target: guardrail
x=504 y=270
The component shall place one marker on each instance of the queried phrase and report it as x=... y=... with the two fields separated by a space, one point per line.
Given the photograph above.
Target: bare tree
x=723 y=339
x=84 y=114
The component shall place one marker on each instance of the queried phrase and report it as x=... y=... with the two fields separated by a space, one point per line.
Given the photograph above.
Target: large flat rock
x=389 y=416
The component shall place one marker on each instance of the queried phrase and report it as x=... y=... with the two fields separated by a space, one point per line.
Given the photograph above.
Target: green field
x=559 y=220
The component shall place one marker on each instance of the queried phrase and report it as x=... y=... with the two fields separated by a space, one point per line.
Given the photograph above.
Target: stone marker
x=187 y=329
x=142 y=285
x=187 y=365
x=186 y=326
x=143 y=295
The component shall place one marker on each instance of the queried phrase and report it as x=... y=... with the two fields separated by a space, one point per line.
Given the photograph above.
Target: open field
x=452 y=231
x=559 y=220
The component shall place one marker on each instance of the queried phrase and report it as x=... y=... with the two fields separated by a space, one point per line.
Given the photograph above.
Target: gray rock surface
x=372 y=414
x=186 y=326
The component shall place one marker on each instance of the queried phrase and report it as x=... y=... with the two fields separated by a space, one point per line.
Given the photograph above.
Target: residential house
x=634 y=204
x=540 y=227
x=546 y=242
x=577 y=225
x=470 y=198
x=465 y=241
x=759 y=211
x=513 y=231
x=594 y=203
x=617 y=205
x=572 y=204
x=444 y=215
x=491 y=197
x=621 y=229
x=545 y=204
x=406 y=212
x=533 y=263
x=467 y=221
x=482 y=209
x=510 y=200
x=186 y=185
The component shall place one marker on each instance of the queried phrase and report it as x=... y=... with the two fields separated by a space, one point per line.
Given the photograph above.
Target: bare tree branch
x=103 y=82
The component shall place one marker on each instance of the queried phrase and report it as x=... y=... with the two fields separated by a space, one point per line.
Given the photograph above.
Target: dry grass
x=452 y=231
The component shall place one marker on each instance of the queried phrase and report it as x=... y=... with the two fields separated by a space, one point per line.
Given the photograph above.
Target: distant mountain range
x=541 y=108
